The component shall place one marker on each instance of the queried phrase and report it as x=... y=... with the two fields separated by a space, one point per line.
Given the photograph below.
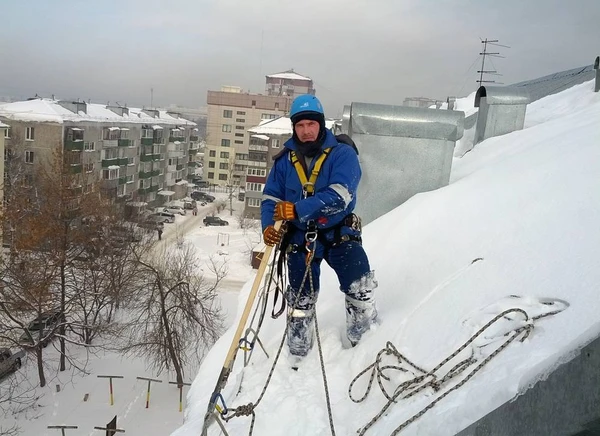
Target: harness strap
x=308 y=184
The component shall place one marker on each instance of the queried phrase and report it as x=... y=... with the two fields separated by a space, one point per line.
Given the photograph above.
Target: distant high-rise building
x=289 y=83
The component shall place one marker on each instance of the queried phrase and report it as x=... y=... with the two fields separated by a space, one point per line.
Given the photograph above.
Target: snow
x=288 y=75
x=517 y=227
x=49 y=111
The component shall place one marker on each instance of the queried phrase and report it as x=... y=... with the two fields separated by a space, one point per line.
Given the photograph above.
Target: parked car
x=189 y=204
x=45 y=325
x=214 y=221
x=200 y=183
x=10 y=362
x=174 y=209
x=167 y=217
x=202 y=196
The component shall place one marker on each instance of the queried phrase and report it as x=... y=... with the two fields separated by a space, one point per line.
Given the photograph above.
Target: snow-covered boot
x=301 y=331
x=360 y=315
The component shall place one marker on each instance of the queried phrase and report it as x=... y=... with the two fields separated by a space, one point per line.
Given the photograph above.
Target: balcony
x=193 y=151
x=147 y=190
x=76 y=145
x=109 y=143
x=149 y=157
x=76 y=168
x=179 y=167
x=109 y=183
x=175 y=154
x=147 y=141
x=177 y=138
x=124 y=142
x=258 y=148
x=158 y=140
x=255 y=163
x=122 y=180
x=193 y=138
x=122 y=161
x=110 y=162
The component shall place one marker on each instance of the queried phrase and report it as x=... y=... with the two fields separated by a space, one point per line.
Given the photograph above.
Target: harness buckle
x=305 y=189
x=311 y=232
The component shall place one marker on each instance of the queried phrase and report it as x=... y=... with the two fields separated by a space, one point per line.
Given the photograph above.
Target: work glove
x=284 y=211
x=272 y=236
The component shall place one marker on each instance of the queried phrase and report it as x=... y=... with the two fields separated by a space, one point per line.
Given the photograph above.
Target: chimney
x=74 y=106
x=152 y=113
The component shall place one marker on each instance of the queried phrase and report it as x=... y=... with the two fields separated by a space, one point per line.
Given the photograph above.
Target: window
x=124 y=134
x=275 y=143
x=225 y=142
x=238 y=142
x=29 y=157
x=111 y=153
x=239 y=135
x=111 y=133
x=211 y=175
x=89 y=146
x=268 y=116
x=276 y=105
x=147 y=133
x=88 y=167
x=253 y=102
x=224 y=155
x=241 y=156
x=223 y=166
x=222 y=176
x=110 y=174
x=239 y=127
x=256 y=172
x=130 y=161
x=212 y=153
x=241 y=113
x=7 y=133
x=254 y=202
x=129 y=179
x=256 y=187
x=211 y=164
x=227 y=128
x=29 y=133
x=240 y=120
x=227 y=114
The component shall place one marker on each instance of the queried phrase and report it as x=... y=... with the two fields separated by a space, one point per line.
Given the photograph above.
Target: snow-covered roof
x=265 y=137
x=165 y=193
x=279 y=126
x=50 y=111
x=4 y=126
x=288 y=75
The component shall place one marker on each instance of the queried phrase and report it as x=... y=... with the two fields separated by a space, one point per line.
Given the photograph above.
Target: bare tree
x=176 y=316
x=16 y=396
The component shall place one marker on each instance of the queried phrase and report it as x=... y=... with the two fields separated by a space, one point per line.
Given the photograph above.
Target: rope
x=426 y=379
x=248 y=409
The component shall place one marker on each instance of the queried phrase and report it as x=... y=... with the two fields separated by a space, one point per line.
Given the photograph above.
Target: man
x=321 y=202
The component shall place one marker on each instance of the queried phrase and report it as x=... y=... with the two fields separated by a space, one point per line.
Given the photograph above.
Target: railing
x=193 y=138
x=147 y=141
x=124 y=142
x=177 y=138
x=255 y=147
x=76 y=145
x=108 y=162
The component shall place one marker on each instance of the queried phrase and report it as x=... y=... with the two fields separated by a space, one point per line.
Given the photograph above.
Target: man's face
x=307 y=130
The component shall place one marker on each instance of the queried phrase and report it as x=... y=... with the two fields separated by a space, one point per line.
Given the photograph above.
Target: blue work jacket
x=335 y=188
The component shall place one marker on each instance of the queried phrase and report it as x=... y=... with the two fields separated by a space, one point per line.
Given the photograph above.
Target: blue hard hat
x=306 y=103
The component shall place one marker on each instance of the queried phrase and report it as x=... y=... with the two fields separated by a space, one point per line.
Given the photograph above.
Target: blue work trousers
x=348 y=260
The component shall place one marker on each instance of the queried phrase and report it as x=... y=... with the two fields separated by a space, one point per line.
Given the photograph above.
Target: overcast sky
x=377 y=51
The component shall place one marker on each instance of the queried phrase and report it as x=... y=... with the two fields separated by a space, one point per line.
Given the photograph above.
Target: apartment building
x=231 y=112
x=137 y=155
x=289 y=83
x=3 y=134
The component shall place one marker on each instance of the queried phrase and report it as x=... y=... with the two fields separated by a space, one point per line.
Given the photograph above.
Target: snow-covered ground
x=516 y=228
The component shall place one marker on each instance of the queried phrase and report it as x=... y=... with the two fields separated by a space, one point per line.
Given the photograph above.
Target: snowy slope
x=528 y=205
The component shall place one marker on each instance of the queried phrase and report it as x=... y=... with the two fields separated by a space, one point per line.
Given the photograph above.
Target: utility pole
x=485 y=53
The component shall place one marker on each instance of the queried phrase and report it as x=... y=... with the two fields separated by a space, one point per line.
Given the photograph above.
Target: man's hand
x=284 y=211
x=272 y=236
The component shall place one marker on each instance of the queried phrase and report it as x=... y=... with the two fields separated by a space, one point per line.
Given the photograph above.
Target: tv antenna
x=485 y=53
